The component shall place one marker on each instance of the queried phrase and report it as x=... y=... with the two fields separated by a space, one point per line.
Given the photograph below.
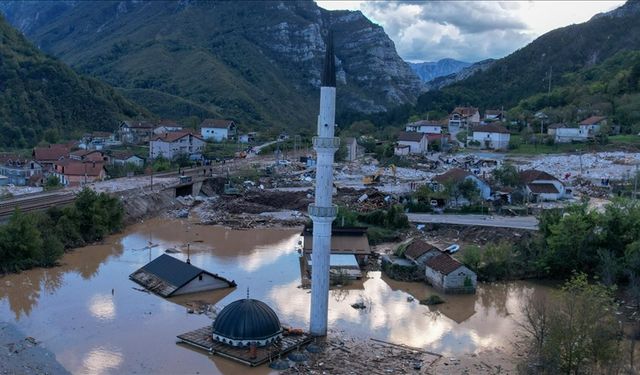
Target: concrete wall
x=453 y=282
x=207 y=282
x=415 y=147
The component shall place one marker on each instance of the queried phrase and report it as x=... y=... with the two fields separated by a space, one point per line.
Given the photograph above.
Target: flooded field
x=88 y=313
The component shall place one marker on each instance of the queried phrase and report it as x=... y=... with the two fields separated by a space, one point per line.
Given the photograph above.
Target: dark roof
x=443 y=263
x=247 y=319
x=557 y=126
x=174 y=136
x=124 y=155
x=418 y=248
x=329 y=68
x=51 y=152
x=166 y=274
x=216 y=123
x=543 y=188
x=491 y=128
x=593 y=120
x=454 y=174
x=531 y=175
x=410 y=136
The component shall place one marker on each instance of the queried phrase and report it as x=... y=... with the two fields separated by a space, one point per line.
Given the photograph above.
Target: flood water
x=88 y=313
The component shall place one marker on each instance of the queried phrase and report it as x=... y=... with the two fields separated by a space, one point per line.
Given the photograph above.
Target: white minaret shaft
x=323 y=212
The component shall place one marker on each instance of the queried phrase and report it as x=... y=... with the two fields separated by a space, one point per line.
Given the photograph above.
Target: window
x=200 y=277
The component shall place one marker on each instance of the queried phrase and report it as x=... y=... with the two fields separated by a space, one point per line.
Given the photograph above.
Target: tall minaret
x=323 y=212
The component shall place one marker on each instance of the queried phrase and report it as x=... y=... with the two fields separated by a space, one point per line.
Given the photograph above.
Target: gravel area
x=23 y=355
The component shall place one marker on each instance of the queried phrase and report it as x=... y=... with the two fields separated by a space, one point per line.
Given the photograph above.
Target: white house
x=124 y=157
x=170 y=145
x=457 y=175
x=462 y=118
x=217 y=130
x=354 y=151
x=448 y=275
x=587 y=129
x=424 y=126
x=541 y=186
x=417 y=142
x=492 y=136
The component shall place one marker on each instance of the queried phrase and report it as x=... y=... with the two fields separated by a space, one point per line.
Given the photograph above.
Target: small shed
x=344 y=240
x=450 y=276
x=168 y=276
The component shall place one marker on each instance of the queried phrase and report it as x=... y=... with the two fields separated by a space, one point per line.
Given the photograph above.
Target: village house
x=462 y=118
x=350 y=249
x=72 y=172
x=135 y=132
x=458 y=175
x=88 y=155
x=126 y=157
x=417 y=142
x=167 y=276
x=586 y=130
x=20 y=172
x=551 y=129
x=170 y=145
x=541 y=186
x=492 y=136
x=448 y=275
x=218 y=130
x=354 y=150
x=46 y=156
x=438 y=141
x=493 y=115
x=166 y=126
x=419 y=252
x=98 y=141
x=424 y=126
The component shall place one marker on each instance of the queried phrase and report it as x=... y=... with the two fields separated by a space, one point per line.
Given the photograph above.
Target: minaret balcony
x=327 y=212
x=326 y=142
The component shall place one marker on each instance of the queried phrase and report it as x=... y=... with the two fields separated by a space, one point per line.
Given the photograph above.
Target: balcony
x=329 y=212
x=321 y=142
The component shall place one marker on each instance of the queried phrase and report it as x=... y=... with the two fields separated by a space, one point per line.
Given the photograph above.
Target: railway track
x=28 y=204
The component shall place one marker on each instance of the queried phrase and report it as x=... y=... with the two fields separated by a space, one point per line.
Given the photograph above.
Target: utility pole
x=550 y=72
x=635 y=184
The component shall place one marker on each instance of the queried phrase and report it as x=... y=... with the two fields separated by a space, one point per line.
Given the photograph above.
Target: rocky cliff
x=256 y=62
x=430 y=70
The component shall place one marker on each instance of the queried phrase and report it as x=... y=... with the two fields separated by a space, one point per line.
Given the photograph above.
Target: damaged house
x=448 y=275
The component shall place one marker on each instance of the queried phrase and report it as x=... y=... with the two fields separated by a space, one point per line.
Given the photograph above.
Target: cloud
x=469 y=31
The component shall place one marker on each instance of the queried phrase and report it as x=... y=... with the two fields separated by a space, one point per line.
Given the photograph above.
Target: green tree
x=52 y=183
x=469 y=190
x=471 y=257
x=507 y=175
x=20 y=243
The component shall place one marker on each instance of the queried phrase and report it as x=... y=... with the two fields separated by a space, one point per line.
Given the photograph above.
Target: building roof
x=493 y=112
x=443 y=263
x=344 y=240
x=491 y=128
x=418 y=248
x=166 y=274
x=51 y=152
x=593 y=120
x=139 y=124
x=124 y=155
x=216 y=123
x=543 y=188
x=101 y=134
x=453 y=174
x=174 y=136
x=83 y=153
x=437 y=137
x=557 y=126
x=410 y=136
x=531 y=175
x=71 y=167
x=425 y=123
x=247 y=319
x=465 y=111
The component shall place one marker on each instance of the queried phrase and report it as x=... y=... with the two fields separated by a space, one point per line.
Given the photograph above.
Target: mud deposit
x=89 y=315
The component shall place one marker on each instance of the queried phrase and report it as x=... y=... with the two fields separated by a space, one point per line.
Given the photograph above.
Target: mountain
x=257 y=62
x=42 y=98
x=429 y=70
x=463 y=73
x=526 y=72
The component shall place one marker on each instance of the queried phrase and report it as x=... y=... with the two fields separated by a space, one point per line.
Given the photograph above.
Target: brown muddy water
x=88 y=313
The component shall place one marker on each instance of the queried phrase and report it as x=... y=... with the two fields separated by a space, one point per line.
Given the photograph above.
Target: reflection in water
x=101 y=361
x=71 y=308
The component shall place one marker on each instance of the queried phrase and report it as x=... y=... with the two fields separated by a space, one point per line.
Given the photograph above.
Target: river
x=88 y=313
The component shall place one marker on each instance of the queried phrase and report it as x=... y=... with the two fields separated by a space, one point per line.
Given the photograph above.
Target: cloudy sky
x=469 y=30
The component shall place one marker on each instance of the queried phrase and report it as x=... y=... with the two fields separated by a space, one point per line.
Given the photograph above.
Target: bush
x=433 y=299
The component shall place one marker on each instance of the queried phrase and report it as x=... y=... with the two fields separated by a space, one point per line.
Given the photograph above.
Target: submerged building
x=247 y=322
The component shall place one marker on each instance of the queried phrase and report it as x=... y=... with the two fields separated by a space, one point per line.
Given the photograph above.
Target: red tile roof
x=454 y=174
x=443 y=264
x=531 y=175
x=465 y=111
x=410 y=136
x=50 y=153
x=174 y=136
x=491 y=128
x=593 y=120
x=418 y=248
x=436 y=137
x=70 y=167
x=216 y=123
x=543 y=188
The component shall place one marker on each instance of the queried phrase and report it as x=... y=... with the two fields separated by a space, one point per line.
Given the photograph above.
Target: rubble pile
x=450 y=233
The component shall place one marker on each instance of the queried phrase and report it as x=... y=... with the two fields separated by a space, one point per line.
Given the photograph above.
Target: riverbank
x=21 y=354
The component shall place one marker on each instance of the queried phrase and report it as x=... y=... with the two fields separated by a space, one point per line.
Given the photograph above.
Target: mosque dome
x=247 y=321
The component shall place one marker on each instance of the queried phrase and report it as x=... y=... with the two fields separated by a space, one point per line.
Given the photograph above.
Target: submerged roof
x=247 y=319
x=166 y=274
x=344 y=240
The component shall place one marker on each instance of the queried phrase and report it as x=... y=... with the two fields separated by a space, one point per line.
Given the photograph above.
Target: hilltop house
x=493 y=136
x=424 y=126
x=541 y=186
x=20 y=172
x=456 y=176
x=170 y=145
x=218 y=130
x=462 y=118
x=417 y=142
x=448 y=275
x=134 y=132
x=76 y=173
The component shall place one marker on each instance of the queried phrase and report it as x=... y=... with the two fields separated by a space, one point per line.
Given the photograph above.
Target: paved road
x=518 y=222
